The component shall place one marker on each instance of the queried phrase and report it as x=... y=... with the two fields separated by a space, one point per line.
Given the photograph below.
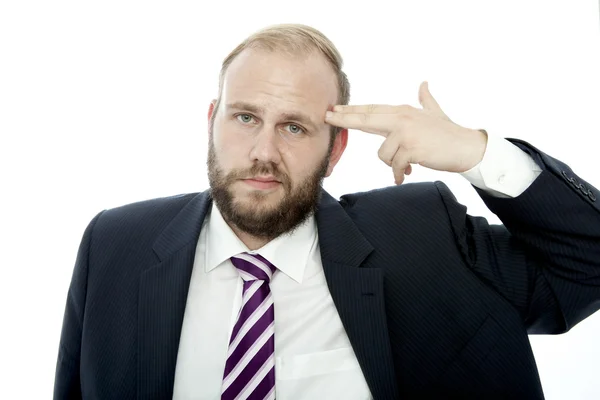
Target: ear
x=211 y=110
x=339 y=145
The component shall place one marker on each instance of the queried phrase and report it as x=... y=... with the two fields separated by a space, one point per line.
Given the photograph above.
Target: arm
x=545 y=260
x=67 y=380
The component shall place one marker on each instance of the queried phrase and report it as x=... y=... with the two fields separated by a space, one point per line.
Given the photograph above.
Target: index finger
x=366 y=109
x=380 y=124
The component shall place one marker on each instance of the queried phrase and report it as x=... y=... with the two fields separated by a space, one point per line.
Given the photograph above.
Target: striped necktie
x=250 y=367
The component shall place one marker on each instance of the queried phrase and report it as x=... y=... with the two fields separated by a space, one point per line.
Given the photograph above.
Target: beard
x=253 y=216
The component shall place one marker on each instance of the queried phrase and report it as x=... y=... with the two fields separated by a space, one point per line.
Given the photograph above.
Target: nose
x=266 y=147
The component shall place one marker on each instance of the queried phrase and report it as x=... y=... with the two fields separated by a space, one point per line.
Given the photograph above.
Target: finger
x=380 y=124
x=389 y=148
x=408 y=170
x=367 y=109
x=428 y=102
x=400 y=163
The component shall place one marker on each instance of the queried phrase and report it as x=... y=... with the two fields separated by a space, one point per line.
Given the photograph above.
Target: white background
x=105 y=103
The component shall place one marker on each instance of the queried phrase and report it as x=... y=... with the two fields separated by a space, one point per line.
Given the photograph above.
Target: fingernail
x=328 y=114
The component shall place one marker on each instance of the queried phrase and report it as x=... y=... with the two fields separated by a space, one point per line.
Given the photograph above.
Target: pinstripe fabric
x=250 y=367
x=436 y=303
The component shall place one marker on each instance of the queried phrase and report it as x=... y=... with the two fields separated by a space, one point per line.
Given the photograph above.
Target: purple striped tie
x=250 y=367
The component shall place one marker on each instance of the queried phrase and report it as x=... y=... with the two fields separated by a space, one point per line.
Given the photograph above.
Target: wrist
x=477 y=139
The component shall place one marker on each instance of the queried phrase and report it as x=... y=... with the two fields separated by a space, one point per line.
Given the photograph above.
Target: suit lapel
x=162 y=300
x=358 y=295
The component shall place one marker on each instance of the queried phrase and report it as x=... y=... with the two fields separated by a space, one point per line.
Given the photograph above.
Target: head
x=268 y=123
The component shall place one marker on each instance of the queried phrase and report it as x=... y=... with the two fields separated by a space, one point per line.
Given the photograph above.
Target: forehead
x=280 y=82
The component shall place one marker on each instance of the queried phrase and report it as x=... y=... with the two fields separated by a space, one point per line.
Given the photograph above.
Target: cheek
x=228 y=146
x=300 y=167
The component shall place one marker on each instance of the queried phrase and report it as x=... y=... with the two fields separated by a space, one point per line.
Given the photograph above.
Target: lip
x=264 y=178
x=262 y=183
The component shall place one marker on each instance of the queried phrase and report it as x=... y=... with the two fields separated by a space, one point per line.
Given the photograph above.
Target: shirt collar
x=288 y=252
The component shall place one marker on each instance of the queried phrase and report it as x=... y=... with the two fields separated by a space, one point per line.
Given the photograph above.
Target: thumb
x=428 y=102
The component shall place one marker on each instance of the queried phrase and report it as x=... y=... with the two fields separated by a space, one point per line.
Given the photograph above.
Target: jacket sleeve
x=545 y=258
x=67 y=382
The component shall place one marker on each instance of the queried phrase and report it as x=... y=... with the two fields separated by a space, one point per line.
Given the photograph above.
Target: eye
x=246 y=118
x=294 y=129
x=297 y=129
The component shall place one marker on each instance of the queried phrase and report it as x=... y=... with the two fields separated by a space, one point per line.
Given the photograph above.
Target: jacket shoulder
x=422 y=207
x=417 y=196
x=142 y=216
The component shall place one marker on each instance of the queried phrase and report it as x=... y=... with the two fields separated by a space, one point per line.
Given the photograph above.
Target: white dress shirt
x=313 y=355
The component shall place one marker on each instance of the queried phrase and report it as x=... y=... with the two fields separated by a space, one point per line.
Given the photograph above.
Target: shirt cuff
x=505 y=170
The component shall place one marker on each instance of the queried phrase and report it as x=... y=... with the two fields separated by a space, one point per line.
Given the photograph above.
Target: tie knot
x=253 y=267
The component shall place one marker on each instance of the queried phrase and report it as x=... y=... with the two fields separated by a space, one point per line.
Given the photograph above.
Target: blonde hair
x=293 y=39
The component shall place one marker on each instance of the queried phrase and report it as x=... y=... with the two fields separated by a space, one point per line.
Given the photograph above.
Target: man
x=267 y=287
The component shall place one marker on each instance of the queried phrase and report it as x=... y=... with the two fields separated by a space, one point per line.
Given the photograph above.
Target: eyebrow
x=303 y=119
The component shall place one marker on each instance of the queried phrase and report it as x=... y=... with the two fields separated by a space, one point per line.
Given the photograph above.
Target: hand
x=415 y=136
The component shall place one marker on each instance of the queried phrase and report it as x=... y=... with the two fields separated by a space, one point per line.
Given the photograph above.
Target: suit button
x=574 y=182
x=570 y=179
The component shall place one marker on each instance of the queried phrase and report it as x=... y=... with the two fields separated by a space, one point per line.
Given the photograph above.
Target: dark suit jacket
x=436 y=303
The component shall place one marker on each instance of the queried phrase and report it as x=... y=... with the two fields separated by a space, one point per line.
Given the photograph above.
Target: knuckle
x=404 y=108
x=382 y=153
x=400 y=118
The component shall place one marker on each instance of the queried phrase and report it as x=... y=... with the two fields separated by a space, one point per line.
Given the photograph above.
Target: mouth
x=264 y=178
x=262 y=183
